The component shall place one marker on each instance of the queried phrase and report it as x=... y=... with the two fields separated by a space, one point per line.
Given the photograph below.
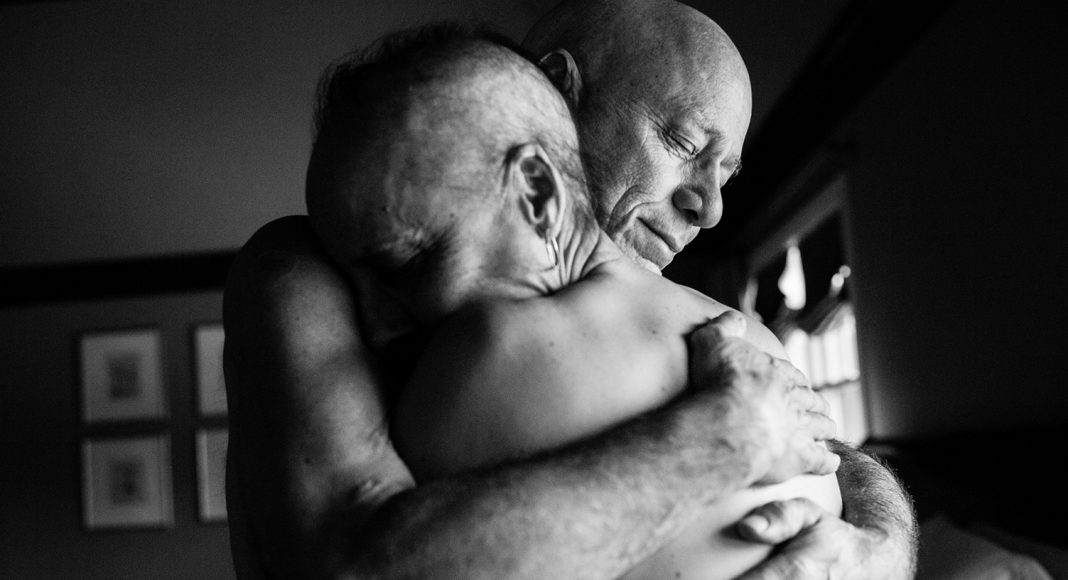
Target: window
x=799 y=287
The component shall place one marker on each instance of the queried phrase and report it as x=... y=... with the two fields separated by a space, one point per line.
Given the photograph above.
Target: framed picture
x=126 y=483
x=121 y=375
x=211 y=474
x=208 y=356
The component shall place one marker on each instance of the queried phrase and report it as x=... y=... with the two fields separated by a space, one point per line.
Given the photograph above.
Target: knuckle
x=775 y=510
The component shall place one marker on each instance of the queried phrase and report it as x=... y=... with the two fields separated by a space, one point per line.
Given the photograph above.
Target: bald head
x=423 y=139
x=414 y=132
x=626 y=40
x=662 y=102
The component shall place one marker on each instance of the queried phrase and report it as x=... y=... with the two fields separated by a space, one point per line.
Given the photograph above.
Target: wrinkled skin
x=662 y=102
x=316 y=487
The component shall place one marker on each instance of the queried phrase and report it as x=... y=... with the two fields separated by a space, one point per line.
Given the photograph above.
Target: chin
x=636 y=256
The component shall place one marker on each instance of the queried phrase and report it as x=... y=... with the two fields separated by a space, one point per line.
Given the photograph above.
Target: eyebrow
x=737 y=162
x=715 y=136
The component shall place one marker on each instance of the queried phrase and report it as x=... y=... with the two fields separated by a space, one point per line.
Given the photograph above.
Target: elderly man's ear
x=538 y=187
x=561 y=69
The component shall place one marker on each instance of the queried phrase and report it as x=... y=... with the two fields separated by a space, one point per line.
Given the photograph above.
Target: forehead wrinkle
x=690 y=110
x=715 y=135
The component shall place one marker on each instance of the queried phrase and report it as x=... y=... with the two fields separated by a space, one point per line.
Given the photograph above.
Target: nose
x=702 y=206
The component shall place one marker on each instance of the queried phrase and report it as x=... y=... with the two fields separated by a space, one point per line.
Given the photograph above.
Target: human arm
x=507 y=379
x=875 y=538
x=319 y=491
x=876 y=504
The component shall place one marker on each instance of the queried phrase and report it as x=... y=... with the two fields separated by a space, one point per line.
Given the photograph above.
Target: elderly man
x=316 y=486
x=541 y=348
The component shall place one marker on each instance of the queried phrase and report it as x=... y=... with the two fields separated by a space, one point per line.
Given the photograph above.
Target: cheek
x=615 y=169
x=663 y=175
x=647 y=184
x=627 y=166
x=653 y=175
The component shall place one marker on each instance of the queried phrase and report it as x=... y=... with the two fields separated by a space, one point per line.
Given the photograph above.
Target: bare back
x=510 y=379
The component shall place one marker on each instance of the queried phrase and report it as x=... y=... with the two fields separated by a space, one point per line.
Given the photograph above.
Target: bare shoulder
x=307 y=405
x=507 y=379
x=291 y=325
x=764 y=338
x=288 y=314
x=281 y=264
x=758 y=334
x=661 y=302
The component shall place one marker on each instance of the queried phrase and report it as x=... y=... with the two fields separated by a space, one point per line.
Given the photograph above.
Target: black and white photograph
x=127 y=483
x=211 y=474
x=547 y=289
x=208 y=342
x=122 y=375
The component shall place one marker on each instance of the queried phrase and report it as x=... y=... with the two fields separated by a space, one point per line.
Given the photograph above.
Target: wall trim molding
x=175 y=274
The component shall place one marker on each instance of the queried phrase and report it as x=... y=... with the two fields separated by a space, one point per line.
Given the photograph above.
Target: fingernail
x=756 y=523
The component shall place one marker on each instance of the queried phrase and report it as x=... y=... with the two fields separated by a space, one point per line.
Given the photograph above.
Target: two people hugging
x=464 y=363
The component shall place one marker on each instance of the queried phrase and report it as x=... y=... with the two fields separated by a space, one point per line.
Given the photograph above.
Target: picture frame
x=126 y=483
x=121 y=375
x=211 y=474
x=208 y=340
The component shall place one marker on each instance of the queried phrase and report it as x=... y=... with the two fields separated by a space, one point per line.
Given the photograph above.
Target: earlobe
x=562 y=70
x=540 y=195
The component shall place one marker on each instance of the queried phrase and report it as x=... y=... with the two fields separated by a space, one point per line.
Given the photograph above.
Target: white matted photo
x=126 y=483
x=208 y=353
x=211 y=474
x=121 y=375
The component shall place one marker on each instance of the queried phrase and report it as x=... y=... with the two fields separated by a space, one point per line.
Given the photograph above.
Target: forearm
x=524 y=522
x=592 y=510
x=875 y=501
x=324 y=494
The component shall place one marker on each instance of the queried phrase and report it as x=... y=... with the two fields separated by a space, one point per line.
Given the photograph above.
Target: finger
x=730 y=323
x=823 y=407
x=810 y=401
x=779 y=566
x=710 y=351
x=791 y=374
x=821 y=426
x=797 y=561
x=778 y=521
x=815 y=402
x=822 y=461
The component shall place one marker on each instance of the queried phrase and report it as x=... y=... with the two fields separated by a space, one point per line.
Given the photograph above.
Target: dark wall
x=135 y=128
x=958 y=210
x=40 y=496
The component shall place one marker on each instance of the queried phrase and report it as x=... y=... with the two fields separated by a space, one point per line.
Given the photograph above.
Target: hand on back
x=765 y=396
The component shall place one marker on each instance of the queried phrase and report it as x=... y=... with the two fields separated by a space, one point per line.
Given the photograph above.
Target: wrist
x=717 y=440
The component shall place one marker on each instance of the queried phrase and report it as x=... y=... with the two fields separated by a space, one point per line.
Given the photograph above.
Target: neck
x=583 y=247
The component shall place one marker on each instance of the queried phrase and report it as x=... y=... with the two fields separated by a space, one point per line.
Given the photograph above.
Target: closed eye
x=680 y=144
